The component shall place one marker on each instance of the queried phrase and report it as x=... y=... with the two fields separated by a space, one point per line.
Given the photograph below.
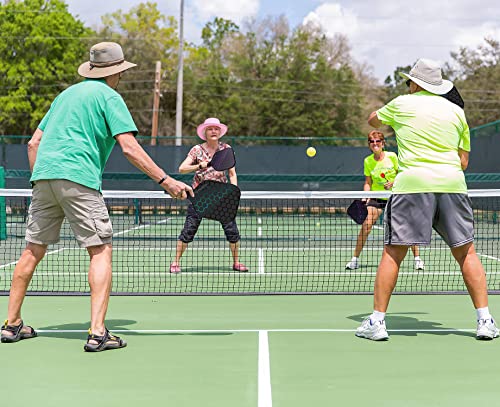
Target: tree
x=41 y=47
x=271 y=81
x=396 y=84
x=146 y=36
x=476 y=73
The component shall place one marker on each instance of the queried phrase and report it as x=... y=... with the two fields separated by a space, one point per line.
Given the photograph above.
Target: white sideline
x=264 y=390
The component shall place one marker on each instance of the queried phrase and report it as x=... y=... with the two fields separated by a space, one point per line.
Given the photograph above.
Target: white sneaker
x=375 y=331
x=353 y=264
x=486 y=329
x=419 y=264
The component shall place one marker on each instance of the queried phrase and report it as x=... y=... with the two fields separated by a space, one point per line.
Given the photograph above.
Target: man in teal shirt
x=67 y=155
x=429 y=192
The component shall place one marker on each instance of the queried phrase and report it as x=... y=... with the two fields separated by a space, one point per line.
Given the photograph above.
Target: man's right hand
x=177 y=189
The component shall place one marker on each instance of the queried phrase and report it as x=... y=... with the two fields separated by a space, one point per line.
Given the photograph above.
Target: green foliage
x=41 y=47
x=477 y=77
x=266 y=80
x=272 y=82
x=146 y=37
x=396 y=84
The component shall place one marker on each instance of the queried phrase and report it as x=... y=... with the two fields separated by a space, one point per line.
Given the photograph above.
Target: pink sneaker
x=175 y=268
x=240 y=267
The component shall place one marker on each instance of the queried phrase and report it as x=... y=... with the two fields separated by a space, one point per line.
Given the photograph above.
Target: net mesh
x=292 y=242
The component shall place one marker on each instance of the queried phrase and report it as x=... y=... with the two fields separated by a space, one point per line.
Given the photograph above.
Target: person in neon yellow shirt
x=380 y=169
x=429 y=192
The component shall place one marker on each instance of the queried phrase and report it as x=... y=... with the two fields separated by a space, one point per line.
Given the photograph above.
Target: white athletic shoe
x=375 y=331
x=486 y=329
x=419 y=264
x=353 y=264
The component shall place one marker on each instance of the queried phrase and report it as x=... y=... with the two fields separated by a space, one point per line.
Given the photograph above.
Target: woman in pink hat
x=197 y=161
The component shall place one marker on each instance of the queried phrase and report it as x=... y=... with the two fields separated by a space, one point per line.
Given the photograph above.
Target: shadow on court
x=112 y=325
x=413 y=326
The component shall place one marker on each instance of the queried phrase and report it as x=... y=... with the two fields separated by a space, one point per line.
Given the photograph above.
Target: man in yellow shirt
x=429 y=192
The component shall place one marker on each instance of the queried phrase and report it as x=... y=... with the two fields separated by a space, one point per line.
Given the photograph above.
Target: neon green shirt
x=381 y=171
x=78 y=133
x=429 y=131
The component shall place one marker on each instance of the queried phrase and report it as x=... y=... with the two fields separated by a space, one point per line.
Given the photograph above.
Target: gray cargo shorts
x=410 y=218
x=54 y=200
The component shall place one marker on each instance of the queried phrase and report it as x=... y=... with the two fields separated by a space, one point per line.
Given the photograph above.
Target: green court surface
x=292 y=253
x=259 y=351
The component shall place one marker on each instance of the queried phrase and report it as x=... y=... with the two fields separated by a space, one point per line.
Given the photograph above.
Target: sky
x=384 y=34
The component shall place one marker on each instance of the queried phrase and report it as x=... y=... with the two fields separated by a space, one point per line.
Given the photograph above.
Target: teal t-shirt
x=78 y=133
x=381 y=171
x=429 y=131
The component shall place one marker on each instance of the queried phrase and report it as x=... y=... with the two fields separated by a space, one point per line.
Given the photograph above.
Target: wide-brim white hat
x=427 y=74
x=106 y=58
x=210 y=122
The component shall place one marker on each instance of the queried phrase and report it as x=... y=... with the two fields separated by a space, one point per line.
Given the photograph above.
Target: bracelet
x=163 y=180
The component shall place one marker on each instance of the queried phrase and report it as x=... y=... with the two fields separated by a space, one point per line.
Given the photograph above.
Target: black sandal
x=104 y=342
x=17 y=332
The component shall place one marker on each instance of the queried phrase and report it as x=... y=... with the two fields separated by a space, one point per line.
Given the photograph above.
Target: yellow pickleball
x=311 y=151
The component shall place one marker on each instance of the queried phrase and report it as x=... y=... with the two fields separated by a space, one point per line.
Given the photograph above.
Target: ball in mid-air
x=311 y=151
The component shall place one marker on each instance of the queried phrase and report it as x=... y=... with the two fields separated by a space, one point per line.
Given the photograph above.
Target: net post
x=137 y=211
x=3 y=209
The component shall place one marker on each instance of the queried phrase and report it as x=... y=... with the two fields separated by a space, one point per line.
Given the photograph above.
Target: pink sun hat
x=210 y=122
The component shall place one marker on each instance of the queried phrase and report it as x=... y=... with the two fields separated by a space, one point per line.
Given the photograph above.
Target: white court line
x=118 y=248
x=248 y=275
x=260 y=250
x=265 y=393
x=488 y=257
x=261 y=258
x=211 y=331
x=13 y=263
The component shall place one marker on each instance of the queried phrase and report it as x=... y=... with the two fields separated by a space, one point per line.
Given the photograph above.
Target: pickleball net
x=292 y=242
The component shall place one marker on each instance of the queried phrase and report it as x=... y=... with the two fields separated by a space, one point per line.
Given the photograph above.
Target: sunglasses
x=375 y=141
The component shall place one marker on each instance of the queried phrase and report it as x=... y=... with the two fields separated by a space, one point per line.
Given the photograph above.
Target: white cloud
x=387 y=34
x=334 y=19
x=235 y=10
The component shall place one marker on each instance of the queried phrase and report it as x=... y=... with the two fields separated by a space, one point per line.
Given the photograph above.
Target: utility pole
x=156 y=104
x=178 y=110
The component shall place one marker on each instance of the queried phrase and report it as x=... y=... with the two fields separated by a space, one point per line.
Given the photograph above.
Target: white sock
x=417 y=258
x=483 y=313
x=377 y=316
x=355 y=259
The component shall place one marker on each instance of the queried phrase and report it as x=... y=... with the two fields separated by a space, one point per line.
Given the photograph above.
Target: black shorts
x=192 y=224
x=377 y=203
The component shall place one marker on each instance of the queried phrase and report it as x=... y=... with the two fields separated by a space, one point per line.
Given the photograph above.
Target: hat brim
x=200 y=130
x=94 y=73
x=442 y=89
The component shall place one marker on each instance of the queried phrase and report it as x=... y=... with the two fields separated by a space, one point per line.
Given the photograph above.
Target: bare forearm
x=373 y=120
x=32 y=151
x=187 y=168
x=233 y=179
x=464 y=159
x=33 y=147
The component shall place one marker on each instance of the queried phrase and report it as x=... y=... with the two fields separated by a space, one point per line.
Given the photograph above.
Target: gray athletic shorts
x=410 y=218
x=54 y=200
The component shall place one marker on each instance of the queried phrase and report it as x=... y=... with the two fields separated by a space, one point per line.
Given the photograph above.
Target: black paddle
x=357 y=211
x=223 y=160
x=216 y=200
